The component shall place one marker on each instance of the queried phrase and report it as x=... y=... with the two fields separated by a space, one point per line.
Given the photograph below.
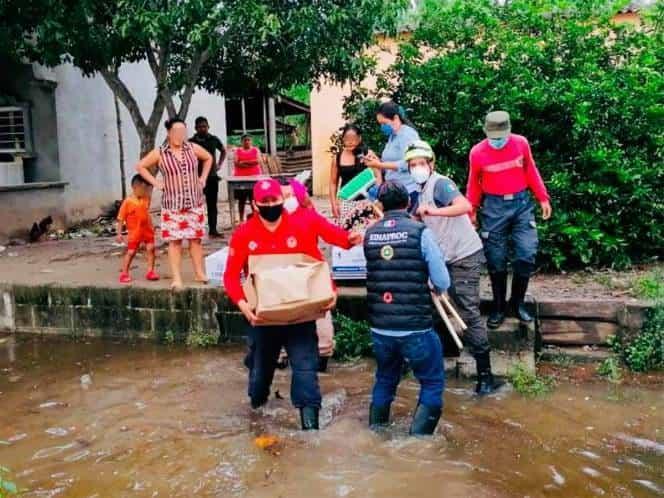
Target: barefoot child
x=134 y=214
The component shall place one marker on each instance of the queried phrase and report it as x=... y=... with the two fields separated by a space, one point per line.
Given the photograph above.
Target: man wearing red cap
x=273 y=231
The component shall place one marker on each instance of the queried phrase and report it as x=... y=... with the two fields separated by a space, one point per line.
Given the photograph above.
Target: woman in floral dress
x=183 y=215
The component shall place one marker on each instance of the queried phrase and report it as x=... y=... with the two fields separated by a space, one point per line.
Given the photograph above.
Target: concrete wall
x=21 y=207
x=327 y=113
x=87 y=136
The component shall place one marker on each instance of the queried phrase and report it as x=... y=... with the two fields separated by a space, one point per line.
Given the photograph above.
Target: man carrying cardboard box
x=272 y=231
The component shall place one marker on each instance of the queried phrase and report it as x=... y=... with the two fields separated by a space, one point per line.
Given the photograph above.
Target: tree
x=230 y=47
x=587 y=93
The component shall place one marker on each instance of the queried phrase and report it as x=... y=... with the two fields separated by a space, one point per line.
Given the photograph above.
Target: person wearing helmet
x=444 y=210
x=502 y=171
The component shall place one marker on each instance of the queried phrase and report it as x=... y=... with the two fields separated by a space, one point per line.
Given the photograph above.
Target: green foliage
x=352 y=338
x=169 y=337
x=235 y=47
x=528 y=383
x=202 y=339
x=7 y=488
x=650 y=286
x=645 y=350
x=587 y=93
x=611 y=369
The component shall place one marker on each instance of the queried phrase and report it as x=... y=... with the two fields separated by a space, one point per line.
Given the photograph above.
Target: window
x=15 y=131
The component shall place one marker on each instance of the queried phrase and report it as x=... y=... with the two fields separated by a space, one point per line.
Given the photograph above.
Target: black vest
x=397 y=276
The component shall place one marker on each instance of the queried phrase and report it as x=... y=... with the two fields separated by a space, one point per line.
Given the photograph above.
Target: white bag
x=215 y=266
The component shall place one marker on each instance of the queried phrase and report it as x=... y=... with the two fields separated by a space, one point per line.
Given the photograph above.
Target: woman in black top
x=346 y=164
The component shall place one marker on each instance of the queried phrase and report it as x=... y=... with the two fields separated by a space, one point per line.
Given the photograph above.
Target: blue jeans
x=424 y=354
x=504 y=219
x=301 y=343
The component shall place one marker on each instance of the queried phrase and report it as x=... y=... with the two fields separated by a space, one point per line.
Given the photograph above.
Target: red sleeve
x=533 y=177
x=122 y=213
x=237 y=259
x=474 y=188
x=329 y=232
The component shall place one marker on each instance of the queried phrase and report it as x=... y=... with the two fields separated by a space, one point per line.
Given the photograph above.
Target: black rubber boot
x=379 y=416
x=322 y=363
x=499 y=289
x=309 y=418
x=486 y=382
x=425 y=420
x=517 y=307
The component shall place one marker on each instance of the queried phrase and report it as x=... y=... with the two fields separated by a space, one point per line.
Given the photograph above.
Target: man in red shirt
x=502 y=170
x=273 y=231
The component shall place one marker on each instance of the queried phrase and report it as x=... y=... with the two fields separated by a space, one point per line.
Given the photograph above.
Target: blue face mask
x=497 y=143
x=386 y=128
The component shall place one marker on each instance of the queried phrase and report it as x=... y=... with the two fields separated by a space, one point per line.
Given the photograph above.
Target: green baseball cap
x=497 y=124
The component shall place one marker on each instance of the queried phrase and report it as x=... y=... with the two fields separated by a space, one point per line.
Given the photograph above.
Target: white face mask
x=291 y=205
x=420 y=174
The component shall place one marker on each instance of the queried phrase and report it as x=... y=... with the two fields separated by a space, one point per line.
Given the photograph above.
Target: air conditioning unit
x=15 y=143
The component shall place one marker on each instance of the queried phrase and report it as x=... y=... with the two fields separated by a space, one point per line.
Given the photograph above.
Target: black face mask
x=271 y=213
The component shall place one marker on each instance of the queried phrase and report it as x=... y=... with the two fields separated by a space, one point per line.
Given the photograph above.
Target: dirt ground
x=95 y=260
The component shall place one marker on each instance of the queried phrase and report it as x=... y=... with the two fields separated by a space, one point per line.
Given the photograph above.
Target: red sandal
x=125 y=278
x=152 y=275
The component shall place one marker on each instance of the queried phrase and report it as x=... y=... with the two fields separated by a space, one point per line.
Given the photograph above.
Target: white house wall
x=87 y=135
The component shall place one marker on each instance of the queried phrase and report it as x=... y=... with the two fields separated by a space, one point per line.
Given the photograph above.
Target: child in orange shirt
x=134 y=213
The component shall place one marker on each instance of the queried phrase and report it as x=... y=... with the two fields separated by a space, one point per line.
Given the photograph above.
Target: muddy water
x=97 y=419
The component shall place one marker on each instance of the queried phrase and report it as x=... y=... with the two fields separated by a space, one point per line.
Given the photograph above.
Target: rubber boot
x=322 y=363
x=517 y=306
x=379 y=416
x=309 y=418
x=486 y=382
x=425 y=420
x=499 y=288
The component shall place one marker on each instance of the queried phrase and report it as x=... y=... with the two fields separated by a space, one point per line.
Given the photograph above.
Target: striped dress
x=183 y=214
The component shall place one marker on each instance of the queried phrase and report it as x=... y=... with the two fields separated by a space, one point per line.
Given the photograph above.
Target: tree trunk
x=118 y=124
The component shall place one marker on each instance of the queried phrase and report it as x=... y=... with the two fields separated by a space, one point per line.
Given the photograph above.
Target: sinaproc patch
x=386 y=252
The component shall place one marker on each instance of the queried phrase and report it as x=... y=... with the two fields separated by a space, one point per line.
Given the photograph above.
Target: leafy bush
x=650 y=286
x=646 y=350
x=202 y=339
x=528 y=383
x=352 y=338
x=588 y=94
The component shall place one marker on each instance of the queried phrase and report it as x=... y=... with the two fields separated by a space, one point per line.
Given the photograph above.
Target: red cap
x=264 y=189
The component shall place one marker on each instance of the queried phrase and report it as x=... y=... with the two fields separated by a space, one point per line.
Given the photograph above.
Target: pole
x=448 y=324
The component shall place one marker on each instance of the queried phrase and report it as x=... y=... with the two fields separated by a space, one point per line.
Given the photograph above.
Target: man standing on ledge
x=211 y=143
x=273 y=231
x=402 y=256
x=502 y=170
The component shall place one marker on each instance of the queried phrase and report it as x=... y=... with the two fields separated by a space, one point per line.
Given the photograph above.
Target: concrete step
x=574 y=354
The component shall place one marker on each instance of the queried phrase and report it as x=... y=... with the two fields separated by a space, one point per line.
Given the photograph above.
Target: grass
x=611 y=369
x=202 y=339
x=528 y=383
x=650 y=286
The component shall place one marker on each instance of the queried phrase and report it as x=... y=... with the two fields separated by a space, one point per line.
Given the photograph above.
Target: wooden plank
x=576 y=332
x=602 y=310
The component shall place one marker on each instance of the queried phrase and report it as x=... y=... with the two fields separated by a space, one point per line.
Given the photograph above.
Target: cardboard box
x=349 y=264
x=285 y=289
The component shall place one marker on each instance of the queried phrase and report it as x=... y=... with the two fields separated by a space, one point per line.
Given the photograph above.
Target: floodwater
x=102 y=419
